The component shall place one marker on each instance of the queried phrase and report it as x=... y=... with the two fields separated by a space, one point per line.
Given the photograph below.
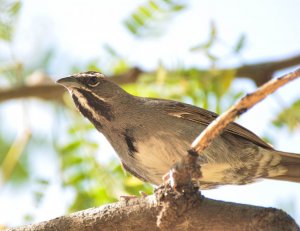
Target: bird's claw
x=127 y=198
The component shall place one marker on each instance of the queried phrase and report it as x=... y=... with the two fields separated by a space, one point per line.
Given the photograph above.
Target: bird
x=150 y=135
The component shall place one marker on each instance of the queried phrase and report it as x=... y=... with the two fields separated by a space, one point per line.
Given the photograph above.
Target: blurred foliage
x=8 y=17
x=93 y=181
x=148 y=19
x=14 y=165
x=9 y=12
x=202 y=88
x=289 y=117
x=207 y=47
x=113 y=63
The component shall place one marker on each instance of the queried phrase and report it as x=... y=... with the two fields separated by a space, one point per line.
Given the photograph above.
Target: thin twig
x=247 y=102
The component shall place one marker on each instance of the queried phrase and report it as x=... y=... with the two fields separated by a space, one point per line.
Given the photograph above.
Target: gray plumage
x=150 y=135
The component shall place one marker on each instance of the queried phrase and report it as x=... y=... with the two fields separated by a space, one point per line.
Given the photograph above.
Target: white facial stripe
x=97 y=96
x=95 y=85
x=84 y=74
x=74 y=91
x=84 y=103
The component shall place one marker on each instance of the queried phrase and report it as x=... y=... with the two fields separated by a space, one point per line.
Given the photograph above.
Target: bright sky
x=78 y=29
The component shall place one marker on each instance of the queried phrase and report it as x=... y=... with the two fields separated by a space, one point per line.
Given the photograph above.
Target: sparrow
x=150 y=135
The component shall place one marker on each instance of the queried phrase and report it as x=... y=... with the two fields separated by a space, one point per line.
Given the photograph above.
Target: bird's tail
x=290 y=162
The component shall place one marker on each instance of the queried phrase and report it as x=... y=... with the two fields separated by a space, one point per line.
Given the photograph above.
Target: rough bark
x=187 y=211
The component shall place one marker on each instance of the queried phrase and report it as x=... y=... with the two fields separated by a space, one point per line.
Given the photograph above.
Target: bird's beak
x=68 y=82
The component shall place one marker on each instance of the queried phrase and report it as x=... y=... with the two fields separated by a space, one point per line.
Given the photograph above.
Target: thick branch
x=192 y=212
x=259 y=72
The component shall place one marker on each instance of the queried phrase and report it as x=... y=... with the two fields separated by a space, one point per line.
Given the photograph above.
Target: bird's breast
x=158 y=153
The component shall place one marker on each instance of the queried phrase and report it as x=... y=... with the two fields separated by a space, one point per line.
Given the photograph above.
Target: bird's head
x=92 y=82
x=94 y=95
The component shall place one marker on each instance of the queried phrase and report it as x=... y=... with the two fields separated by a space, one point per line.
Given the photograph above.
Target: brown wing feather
x=205 y=117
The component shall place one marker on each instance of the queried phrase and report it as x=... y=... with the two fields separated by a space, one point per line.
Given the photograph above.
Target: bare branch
x=47 y=92
x=259 y=72
x=248 y=101
x=52 y=91
x=190 y=212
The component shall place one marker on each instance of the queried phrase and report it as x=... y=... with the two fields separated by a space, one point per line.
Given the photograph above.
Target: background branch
x=259 y=73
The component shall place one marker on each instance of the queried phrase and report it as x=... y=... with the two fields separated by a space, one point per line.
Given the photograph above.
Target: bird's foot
x=127 y=198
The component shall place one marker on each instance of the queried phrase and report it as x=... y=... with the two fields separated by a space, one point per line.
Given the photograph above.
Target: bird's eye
x=93 y=81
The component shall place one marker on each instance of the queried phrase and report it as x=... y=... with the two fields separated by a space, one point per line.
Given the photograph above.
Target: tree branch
x=46 y=92
x=186 y=210
x=218 y=125
x=192 y=212
x=259 y=73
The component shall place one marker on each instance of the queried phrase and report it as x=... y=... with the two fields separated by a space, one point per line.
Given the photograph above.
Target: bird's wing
x=205 y=117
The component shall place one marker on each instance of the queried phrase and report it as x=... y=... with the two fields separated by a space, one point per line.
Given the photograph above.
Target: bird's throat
x=92 y=107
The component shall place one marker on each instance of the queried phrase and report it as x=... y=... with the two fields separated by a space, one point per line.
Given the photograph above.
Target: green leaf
x=5 y=32
x=176 y=8
x=227 y=78
x=71 y=160
x=146 y=11
x=213 y=31
x=9 y=14
x=28 y=218
x=240 y=44
x=210 y=42
x=38 y=197
x=120 y=67
x=110 y=50
x=76 y=178
x=289 y=117
x=93 y=66
x=154 y=6
x=211 y=57
x=147 y=19
x=131 y=27
x=71 y=147
x=14 y=8
x=42 y=182
x=138 y=19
